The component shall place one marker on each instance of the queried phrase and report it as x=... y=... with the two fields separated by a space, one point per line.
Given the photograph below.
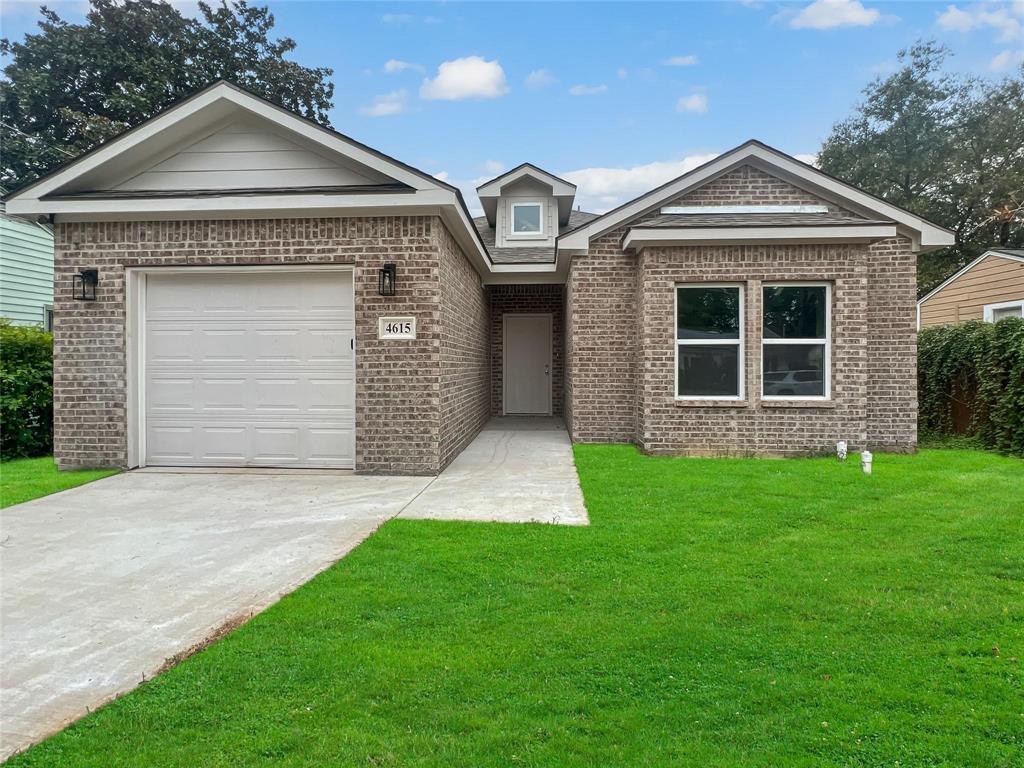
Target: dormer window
x=527 y=219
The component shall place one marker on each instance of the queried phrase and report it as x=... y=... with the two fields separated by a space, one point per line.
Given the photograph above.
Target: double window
x=527 y=219
x=795 y=354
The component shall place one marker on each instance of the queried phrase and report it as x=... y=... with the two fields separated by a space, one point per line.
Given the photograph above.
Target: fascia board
x=662 y=236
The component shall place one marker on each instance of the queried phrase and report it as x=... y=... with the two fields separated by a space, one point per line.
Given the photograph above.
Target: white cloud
x=622 y=73
x=588 y=90
x=680 y=61
x=441 y=176
x=468 y=78
x=601 y=189
x=392 y=66
x=695 y=102
x=493 y=167
x=386 y=104
x=829 y=14
x=539 y=78
x=1006 y=60
x=1006 y=19
x=810 y=159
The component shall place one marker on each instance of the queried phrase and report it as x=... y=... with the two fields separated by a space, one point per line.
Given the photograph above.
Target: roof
x=924 y=234
x=518 y=171
x=526 y=254
x=755 y=220
x=1010 y=254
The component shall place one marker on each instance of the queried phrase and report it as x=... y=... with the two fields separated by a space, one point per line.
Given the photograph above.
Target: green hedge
x=971 y=382
x=26 y=391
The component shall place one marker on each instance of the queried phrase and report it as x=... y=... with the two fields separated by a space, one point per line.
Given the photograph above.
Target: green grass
x=715 y=613
x=27 y=479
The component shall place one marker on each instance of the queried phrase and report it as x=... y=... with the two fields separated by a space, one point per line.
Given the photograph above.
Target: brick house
x=237 y=286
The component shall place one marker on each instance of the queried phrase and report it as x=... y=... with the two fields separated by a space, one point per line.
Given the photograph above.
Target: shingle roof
x=1018 y=252
x=754 y=220
x=526 y=254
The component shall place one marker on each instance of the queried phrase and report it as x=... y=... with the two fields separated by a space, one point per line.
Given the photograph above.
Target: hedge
x=971 y=382
x=26 y=391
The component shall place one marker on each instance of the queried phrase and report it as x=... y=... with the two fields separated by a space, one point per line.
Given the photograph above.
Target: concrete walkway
x=103 y=584
x=517 y=470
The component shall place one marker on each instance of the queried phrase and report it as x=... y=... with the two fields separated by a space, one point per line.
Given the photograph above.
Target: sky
x=615 y=97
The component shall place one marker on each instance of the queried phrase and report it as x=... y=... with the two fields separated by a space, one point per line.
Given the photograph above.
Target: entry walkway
x=518 y=470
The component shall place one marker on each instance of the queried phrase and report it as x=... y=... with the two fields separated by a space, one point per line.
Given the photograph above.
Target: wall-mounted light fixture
x=84 y=285
x=386 y=285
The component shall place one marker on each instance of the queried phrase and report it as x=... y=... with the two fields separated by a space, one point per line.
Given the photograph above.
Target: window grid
x=826 y=341
x=739 y=343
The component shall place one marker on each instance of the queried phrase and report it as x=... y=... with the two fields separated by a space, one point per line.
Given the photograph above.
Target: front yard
x=715 y=613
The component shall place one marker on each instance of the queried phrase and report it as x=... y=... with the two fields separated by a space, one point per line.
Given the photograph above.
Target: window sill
x=798 y=404
x=712 y=403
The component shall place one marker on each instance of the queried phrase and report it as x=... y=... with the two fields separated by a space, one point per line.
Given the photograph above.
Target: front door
x=527 y=364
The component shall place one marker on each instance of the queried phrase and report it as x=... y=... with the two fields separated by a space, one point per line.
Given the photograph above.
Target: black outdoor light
x=84 y=285
x=387 y=280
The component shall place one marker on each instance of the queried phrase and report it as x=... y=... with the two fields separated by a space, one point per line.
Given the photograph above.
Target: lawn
x=715 y=613
x=27 y=479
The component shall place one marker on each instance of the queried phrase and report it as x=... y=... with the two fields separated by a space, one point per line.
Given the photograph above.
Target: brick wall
x=465 y=342
x=621 y=349
x=540 y=299
x=398 y=383
x=602 y=353
x=748 y=185
x=752 y=426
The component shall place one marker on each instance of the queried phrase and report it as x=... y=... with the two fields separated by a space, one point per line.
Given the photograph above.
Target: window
x=709 y=342
x=527 y=219
x=996 y=312
x=48 y=318
x=795 y=342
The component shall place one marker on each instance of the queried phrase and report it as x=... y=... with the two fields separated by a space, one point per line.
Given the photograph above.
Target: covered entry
x=246 y=367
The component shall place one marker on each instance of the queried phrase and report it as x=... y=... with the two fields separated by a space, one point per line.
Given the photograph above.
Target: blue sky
x=617 y=97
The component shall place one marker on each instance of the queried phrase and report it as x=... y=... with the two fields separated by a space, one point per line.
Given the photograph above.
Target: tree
x=73 y=86
x=946 y=147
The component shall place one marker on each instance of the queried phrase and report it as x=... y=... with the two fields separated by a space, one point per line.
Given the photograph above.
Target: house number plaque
x=396 y=328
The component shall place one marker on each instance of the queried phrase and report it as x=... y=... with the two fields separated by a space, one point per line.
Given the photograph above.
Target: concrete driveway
x=103 y=584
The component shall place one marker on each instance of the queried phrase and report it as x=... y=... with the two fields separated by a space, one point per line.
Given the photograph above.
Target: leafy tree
x=72 y=86
x=949 y=148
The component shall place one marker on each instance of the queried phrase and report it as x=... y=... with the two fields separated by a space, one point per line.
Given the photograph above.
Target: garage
x=243 y=367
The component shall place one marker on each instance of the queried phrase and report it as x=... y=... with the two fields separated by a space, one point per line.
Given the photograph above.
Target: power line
x=36 y=139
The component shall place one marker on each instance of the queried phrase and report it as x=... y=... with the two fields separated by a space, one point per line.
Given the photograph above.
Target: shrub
x=26 y=391
x=971 y=382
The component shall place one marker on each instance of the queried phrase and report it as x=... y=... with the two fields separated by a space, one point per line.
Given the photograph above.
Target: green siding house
x=26 y=272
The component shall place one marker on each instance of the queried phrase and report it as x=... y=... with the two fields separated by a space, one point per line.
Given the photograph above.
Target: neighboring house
x=273 y=293
x=989 y=288
x=26 y=271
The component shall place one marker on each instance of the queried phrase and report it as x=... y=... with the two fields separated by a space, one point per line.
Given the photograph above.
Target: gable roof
x=923 y=234
x=542 y=254
x=1009 y=254
x=70 y=190
x=558 y=185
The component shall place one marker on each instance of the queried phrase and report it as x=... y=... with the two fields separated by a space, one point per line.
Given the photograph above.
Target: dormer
x=526 y=206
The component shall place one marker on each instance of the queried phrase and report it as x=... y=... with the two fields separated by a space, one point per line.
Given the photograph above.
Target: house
x=989 y=288
x=259 y=290
x=26 y=271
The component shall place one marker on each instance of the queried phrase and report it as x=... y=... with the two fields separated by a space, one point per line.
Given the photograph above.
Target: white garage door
x=250 y=369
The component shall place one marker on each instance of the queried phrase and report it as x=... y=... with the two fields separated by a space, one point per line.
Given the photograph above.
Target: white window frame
x=740 y=342
x=526 y=235
x=989 y=309
x=827 y=341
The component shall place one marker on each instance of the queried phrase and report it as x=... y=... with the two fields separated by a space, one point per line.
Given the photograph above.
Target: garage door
x=251 y=368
